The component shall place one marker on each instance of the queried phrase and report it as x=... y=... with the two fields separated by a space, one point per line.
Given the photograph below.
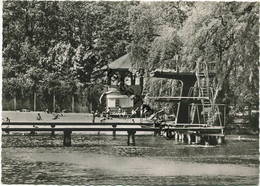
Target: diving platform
x=172 y=74
x=176 y=98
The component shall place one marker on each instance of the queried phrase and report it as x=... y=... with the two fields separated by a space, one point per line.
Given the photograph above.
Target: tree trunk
x=14 y=103
x=72 y=103
x=250 y=114
x=109 y=74
x=142 y=83
x=54 y=104
x=90 y=107
x=34 y=101
x=224 y=96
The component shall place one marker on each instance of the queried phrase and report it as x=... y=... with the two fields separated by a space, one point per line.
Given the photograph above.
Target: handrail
x=73 y=123
x=80 y=129
x=116 y=129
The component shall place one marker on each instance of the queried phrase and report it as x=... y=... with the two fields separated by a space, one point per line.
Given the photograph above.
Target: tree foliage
x=64 y=47
x=154 y=29
x=58 y=47
x=226 y=34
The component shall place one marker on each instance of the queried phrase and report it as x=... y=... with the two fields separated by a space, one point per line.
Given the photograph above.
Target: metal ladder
x=202 y=75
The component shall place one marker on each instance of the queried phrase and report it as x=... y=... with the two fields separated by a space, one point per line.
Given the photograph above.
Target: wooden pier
x=191 y=134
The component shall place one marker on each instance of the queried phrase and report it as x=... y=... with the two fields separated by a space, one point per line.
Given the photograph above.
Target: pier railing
x=68 y=127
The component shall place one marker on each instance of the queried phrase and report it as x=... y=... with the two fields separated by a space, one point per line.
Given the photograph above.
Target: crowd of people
x=144 y=111
x=119 y=112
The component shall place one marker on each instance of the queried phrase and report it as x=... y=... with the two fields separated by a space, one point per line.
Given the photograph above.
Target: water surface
x=102 y=160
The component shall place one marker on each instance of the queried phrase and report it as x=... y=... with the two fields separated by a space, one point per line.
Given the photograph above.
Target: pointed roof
x=122 y=63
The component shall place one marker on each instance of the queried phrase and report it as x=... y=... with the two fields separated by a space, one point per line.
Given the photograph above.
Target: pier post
x=176 y=136
x=185 y=138
x=189 y=138
x=204 y=140
x=114 y=131
x=207 y=140
x=179 y=136
x=52 y=132
x=220 y=139
x=212 y=140
x=197 y=139
x=157 y=126
x=67 y=138
x=128 y=138
x=193 y=138
x=155 y=131
x=173 y=135
x=182 y=138
x=131 y=136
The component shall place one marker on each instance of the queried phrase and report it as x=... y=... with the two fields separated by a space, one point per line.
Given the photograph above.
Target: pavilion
x=124 y=86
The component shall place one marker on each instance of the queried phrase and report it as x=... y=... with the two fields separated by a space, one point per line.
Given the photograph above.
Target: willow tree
x=155 y=42
x=151 y=25
x=227 y=34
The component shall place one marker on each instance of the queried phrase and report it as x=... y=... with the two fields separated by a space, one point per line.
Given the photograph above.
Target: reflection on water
x=139 y=165
x=101 y=160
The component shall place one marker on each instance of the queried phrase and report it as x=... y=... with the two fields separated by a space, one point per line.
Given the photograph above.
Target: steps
x=203 y=83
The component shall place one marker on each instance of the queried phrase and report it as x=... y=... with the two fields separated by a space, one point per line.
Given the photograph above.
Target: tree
x=61 y=44
x=151 y=25
x=156 y=44
x=165 y=50
x=227 y=34
x=27 y=34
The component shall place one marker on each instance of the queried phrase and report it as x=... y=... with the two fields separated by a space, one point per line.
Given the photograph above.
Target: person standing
x=8 y=126
x=119 y=111
x=133 y=113
x=108 y=112
x=39 y=117
x=94 y=116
